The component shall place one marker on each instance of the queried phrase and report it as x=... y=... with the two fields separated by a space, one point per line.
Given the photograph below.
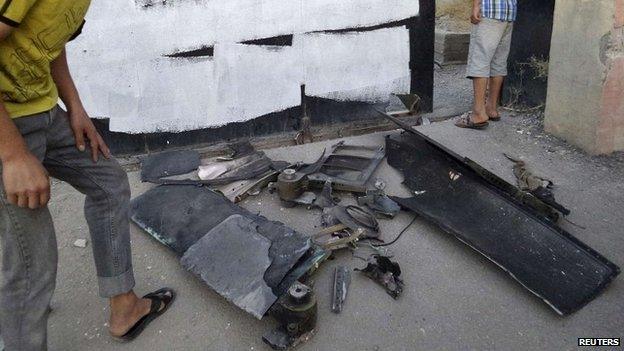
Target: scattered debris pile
x=263 y=266
x=259 y=265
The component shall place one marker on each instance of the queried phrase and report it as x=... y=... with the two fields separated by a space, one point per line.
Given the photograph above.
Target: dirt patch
x=454 y=15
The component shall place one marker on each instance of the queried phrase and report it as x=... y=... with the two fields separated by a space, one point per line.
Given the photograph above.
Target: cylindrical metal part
x=291 y=185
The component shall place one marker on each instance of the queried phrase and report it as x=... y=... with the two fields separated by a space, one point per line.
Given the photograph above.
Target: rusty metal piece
x=337 y=243
x=253 y=187
x=410 y=101
x=291 y=184
x=305 y=135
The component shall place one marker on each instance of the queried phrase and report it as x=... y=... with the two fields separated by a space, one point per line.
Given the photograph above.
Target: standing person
x=490 y=42
x=38 y=139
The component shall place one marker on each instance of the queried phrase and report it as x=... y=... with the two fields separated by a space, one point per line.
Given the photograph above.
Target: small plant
x=538 y=65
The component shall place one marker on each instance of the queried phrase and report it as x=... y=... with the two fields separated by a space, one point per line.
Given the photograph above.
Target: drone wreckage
x=263 y=266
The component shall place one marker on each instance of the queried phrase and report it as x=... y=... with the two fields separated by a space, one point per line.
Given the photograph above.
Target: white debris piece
x=80 y=243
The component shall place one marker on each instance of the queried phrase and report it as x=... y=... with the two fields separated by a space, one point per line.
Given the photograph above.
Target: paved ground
x=454 y=298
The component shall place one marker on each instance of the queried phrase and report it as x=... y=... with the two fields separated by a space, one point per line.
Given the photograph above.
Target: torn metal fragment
x=214 y=170
x=354 y=217
x=410 y=101
x=306 y=199
x=379 y=203
x=342 y=280
x=339 y=240
x=168 y=163
x=254 y=187
x=232 y=259
x=386 y=273
x=484 y=212
x=348 y=167
x=326 y=199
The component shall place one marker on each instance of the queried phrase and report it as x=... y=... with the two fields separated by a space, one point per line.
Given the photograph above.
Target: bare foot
x=479 y=117
x=492 y=113
x=126 y=310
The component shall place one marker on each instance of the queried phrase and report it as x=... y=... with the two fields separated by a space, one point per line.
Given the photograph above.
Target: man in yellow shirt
x=38 y=139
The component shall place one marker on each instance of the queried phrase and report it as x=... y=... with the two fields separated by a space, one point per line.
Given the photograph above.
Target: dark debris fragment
x=386 y=273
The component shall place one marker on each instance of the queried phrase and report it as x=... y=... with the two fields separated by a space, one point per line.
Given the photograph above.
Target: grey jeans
x=28 y=240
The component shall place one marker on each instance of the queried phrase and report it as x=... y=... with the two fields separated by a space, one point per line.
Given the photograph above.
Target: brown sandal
x=465 y=121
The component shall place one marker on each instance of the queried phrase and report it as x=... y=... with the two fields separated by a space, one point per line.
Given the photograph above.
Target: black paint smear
x=281 y=40
x=392 y=24
x=149 y=3
x=204 y=51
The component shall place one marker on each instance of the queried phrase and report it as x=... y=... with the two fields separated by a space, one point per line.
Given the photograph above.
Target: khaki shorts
x=490 y=42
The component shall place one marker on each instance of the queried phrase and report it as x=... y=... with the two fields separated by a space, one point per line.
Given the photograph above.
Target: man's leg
x=479 y=114
x=107 y=192
x=493 y=99
x=499 y=71
x=484 y=41
x=29 y=258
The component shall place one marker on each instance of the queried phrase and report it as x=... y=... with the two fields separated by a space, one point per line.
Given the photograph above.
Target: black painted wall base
x=527 y=82
x=321 y=111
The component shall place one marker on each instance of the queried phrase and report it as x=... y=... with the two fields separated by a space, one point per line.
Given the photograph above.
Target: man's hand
x=26 y=182
x=83 y=129
x=475 y=18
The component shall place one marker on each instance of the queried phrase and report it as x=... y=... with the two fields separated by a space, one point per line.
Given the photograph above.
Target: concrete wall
x=585 y=103
x=179 y=65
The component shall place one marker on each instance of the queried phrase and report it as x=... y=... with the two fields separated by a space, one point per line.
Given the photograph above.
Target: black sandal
x=465 y=121
x=161 y=300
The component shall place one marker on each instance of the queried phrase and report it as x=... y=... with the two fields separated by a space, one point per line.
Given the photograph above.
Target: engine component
x=291 y=184
x=296 y=313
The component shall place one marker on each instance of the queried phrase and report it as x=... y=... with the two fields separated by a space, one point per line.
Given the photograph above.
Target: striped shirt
x=502 y=10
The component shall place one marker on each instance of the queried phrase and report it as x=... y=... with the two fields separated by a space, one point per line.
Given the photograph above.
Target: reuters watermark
x=599 y=342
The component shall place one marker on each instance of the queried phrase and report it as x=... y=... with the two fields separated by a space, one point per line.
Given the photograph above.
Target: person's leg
x=493 y=98
x=484 y=41
x=479 y=114
x=29 y=258
x=107 y=192
x=499 y=71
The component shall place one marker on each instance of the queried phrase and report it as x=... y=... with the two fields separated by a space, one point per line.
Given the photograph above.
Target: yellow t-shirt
x=42 y=28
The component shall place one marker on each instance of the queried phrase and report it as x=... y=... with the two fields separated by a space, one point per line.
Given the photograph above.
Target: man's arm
x=475 y=18
x=26 y=182
x=79 y=119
